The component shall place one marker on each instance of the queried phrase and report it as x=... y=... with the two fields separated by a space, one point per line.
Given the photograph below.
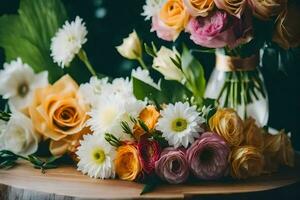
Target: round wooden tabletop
x=66 y=181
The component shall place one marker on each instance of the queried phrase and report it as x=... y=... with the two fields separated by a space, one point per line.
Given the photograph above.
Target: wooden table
x=24 y=182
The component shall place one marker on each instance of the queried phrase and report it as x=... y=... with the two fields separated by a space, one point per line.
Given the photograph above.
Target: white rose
x=131 y=47
x=19 y=136
x=164 y=64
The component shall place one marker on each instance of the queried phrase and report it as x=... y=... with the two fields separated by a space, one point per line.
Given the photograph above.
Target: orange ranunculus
x=227 y=123
x=149 y=116
x=174 y=15
x=246 y=161
x=199 y=7
x=127 y=163
x=58 y=113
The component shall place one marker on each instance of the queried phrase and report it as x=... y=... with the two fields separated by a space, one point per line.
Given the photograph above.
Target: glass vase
x=238 y=83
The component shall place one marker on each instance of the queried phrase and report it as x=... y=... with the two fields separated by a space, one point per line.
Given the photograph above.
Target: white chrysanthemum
x=96 y=157
x=180 y=124
x=68 y=41
x=18 y=83
x=144 y=75
x=19 y=135
x=107 y=115
x=91 y=91
x=119 y=86
x=152 y=8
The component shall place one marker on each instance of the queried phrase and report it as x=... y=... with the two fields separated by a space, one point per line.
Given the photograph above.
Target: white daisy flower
x=119 y=86
x=68 y=41
x=90 y=92
x=144 y=75
x=96 y=157
x=180 y=124
x=19 y=136
x=18 y=83
x=152 y=8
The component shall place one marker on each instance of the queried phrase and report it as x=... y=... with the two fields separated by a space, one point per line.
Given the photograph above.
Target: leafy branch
x=9 y=159
x=4 y=116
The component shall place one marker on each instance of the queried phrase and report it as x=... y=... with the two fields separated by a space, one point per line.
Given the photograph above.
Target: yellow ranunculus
x=254 y=135
x=131 y=47
x=246 y=161
x=149 y=116
x=229 y=125
x=199 y=7
x=127 y=162
x=174 y=15
x=57 y=113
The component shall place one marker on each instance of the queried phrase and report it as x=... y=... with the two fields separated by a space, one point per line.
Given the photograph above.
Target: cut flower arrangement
x=134 y=128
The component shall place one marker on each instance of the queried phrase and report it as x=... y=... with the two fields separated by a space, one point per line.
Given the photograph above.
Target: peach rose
x=174 y=15
x=254 y=135
x=127 y=163
x=226 y=123
x=266 y=9
x=246 y=161
x=233 y=7
x=199 y=7
x=287 y=28
x=149 y=116
x=58 y=113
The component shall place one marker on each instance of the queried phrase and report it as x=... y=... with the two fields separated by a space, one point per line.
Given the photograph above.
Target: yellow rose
x=127 y=163
x=229 y=125
x=266 y=9
x=174 y=15
x=150 y=117
x=246 y=161
x=287 y=28
x=233 y=7
x=58 y=113
x=278 y=148
x=254 y=135
x=131 y=47
x=199 y=7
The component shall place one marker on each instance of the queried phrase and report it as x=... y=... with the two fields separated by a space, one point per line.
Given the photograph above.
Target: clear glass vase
x=238 y=83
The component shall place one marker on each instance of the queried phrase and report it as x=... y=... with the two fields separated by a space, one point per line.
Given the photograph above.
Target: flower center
x=175 y=166
x=206 y=155
x=98 y=155
x=179 y=124
x=23 y=90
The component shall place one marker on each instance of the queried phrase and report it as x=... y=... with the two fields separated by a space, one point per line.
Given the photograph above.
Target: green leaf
x=28 y=34
x=4 y=116
x=194 y=74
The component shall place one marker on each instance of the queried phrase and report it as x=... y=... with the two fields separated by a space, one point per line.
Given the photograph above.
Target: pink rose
x=163 y=32
x=220 y=29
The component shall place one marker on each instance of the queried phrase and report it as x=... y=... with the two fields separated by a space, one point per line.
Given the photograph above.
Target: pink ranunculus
x=172 y=166
x=164 y=32
x=220 y=29
x=149 y=153
x=208 y=157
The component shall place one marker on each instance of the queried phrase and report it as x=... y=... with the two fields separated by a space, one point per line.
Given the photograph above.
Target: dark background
x=108 y=21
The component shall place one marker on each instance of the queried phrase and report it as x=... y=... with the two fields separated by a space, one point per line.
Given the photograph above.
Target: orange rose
x=233 y=7
x=254 y=135
x=229 y=125
x=149 y=116
x=287 y=28
x=127 y=163
x=174 y=15
x=199 y=7
x=246 y=161
x=58 y=113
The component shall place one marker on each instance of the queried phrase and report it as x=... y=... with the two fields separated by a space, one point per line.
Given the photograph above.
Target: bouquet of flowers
x=133 y=128
x=239 y=31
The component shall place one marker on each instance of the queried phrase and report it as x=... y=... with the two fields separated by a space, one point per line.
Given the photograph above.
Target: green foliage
x=194 y=73
x=28 y=34
x=4 y=116
x=171 y=91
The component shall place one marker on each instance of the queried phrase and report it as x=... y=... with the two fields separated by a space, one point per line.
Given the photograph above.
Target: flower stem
x=83 y=57
x=142 y=63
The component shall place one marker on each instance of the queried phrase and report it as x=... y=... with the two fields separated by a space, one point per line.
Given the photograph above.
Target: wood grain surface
x=65 y=183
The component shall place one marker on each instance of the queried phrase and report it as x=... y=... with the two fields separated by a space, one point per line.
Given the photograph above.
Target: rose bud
x=149 y=152
x=208 y=157
x=131 y=47
x=172 y=166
